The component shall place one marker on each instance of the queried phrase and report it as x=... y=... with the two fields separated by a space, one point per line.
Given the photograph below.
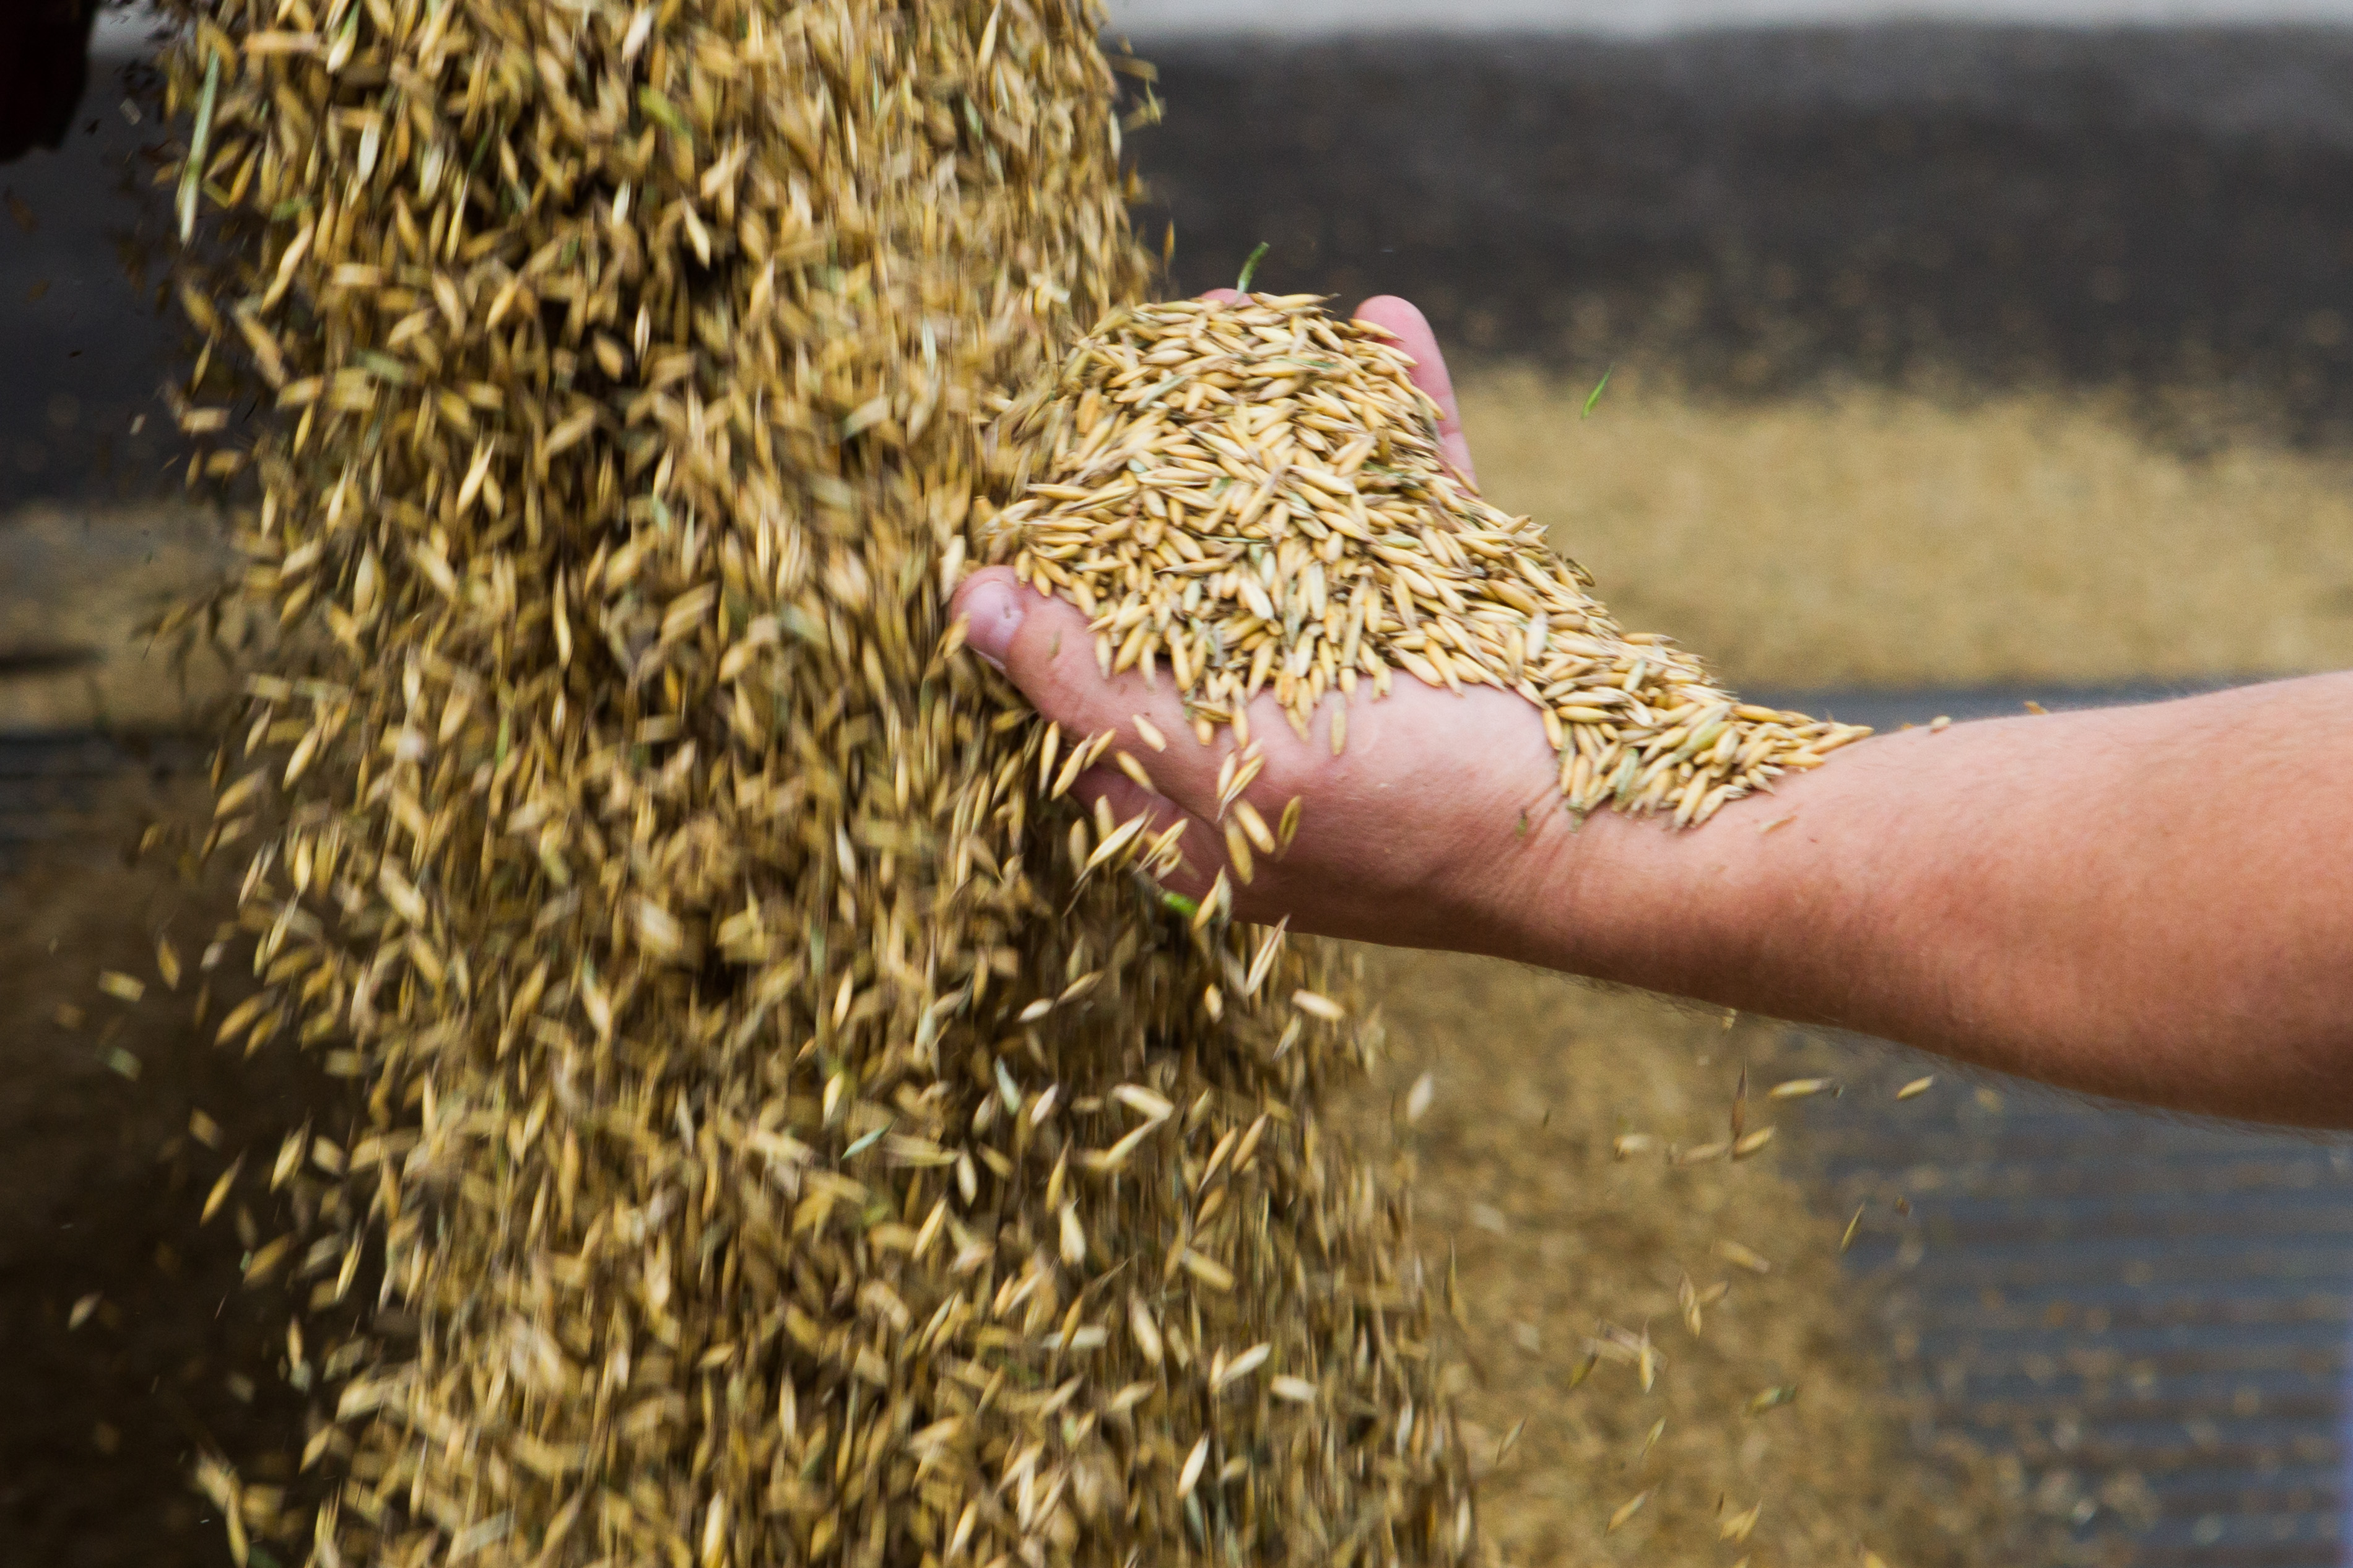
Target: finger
x=1420 y=343
x=1224 y=296
x=1043 y=646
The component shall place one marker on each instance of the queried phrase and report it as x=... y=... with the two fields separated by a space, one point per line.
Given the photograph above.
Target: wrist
x=1690 y=911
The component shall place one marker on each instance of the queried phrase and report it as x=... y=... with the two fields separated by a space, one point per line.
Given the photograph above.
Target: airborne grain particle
x=220 y=1190
x=1918 y=1086
x=1624 y=1511
x=1318 y=1005
x=1418 y=1098
x=1191 y=1473
x=1740 y=1257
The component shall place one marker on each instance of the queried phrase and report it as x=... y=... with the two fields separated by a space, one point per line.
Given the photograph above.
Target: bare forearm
x=2152 y=902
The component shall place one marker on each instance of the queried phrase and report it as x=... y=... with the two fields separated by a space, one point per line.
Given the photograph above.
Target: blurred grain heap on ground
x=1874 y=538
x=1542 y=1119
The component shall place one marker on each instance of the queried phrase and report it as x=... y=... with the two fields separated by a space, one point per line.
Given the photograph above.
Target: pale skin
x=2154 y=903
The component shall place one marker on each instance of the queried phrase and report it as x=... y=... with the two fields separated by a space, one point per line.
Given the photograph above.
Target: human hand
x=1438 y=825
x=2121 y=902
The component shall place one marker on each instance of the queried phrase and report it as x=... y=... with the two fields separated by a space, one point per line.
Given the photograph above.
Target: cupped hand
x=1438 y=824
x=2119 y=902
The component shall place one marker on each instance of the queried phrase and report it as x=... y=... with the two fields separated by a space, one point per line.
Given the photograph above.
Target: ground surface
x=1533 y=1079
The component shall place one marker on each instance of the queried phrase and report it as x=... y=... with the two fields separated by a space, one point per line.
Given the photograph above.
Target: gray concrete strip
x=1146 y=18
x=2149 y=1314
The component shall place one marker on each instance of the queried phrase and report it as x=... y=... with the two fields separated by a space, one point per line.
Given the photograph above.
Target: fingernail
x=993 y=611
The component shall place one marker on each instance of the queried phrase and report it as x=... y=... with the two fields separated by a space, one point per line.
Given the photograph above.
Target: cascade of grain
x=765 y=1145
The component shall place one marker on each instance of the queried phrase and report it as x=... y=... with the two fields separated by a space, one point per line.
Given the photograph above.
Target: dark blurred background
x=85 y=347
x=1765 y=209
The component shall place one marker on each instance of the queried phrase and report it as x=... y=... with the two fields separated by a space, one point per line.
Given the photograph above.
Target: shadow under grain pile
x=1565 y=1249
x=133 y=1345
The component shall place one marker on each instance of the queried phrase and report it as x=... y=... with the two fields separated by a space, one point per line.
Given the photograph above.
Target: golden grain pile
x=1254 y=491
x=1911 y=539
x=763 y=1149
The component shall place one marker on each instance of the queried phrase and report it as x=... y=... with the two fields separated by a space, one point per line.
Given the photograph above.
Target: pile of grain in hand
x=1254 y=491
x=764 y=1146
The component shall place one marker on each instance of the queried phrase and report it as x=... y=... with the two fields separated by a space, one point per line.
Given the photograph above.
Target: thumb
x=993 y=607
x=1044 y=647
x=1410 y=331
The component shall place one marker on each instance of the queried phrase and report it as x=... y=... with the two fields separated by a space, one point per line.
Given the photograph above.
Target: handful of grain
x=1254 y=492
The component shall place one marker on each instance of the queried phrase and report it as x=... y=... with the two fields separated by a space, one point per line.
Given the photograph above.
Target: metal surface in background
x=2150 y=1315
x=55 y=789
